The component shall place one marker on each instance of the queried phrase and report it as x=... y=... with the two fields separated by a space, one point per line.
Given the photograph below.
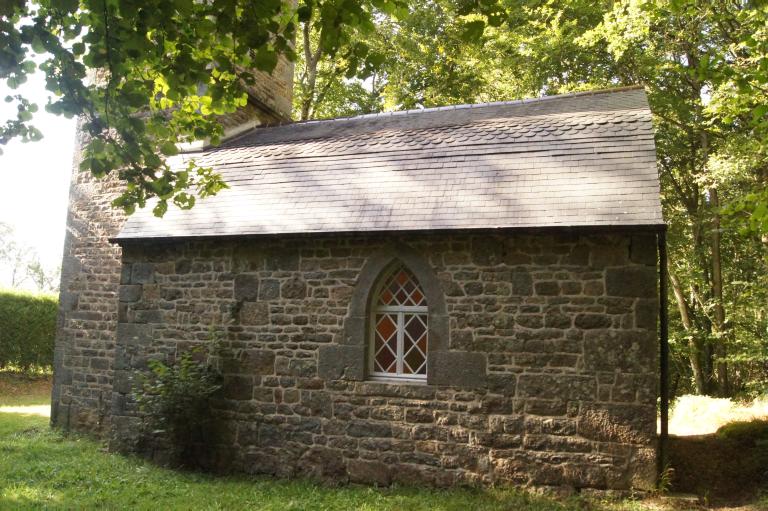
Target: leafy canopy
x=146 y=75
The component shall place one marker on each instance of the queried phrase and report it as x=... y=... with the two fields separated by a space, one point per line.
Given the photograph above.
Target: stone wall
x=85 y=333
x=90 y=275
x=545 y=374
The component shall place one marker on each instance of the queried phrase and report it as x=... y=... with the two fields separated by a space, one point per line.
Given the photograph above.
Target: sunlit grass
x=33 y=371
x=42 y=410
x=701 y=415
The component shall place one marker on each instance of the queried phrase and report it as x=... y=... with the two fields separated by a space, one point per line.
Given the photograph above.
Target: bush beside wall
x=27 y=329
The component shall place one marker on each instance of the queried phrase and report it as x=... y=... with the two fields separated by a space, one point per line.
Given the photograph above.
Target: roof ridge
x=298 y=126
x=462 y=106
x=233 y=143
x=236 y=142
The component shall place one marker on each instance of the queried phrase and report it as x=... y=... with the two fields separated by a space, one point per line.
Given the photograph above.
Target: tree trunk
x=694 y=350
x=721 y=366
x=309 y=79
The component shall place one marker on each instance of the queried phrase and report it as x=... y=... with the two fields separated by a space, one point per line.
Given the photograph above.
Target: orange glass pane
x=402 y=288
x=386 y=327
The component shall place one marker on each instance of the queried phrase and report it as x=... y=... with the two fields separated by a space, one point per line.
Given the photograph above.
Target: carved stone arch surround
x=347 y=359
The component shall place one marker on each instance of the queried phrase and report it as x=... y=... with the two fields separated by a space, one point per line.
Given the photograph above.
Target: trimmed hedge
x=27 y=329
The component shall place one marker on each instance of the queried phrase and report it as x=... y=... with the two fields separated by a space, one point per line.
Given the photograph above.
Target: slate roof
x=585 y=159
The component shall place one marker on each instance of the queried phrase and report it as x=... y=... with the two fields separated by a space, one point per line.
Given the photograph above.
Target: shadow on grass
x=24 y=389
x=43 y=468
x=730 y=465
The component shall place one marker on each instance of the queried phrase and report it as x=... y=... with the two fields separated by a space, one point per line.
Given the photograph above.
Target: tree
x=693 y=56
x=330 y=79
x=147 y=75
x=23 y=265
x=429 y=62
x=13 y=256
x=45 y=280
x=6 y=238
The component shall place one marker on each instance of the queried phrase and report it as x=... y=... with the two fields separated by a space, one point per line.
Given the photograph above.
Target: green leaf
x=14 y=81
x=66 y=6
x=759 y=112
x=37 y=45
x=376 y=60
x=161 y=208
x=473 y=31
x=35 y=134
x=169 y=148
x=265 y=59
x=304 y=13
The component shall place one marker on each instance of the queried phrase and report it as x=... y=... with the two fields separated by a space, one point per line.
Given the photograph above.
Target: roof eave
x=546 y=229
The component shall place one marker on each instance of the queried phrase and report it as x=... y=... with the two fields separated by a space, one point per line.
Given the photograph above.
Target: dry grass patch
x=25 y=389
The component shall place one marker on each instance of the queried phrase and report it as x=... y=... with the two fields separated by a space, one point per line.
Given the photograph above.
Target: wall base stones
x=548 y=375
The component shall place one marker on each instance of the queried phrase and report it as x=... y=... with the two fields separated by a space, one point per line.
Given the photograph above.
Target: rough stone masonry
x=552 y=379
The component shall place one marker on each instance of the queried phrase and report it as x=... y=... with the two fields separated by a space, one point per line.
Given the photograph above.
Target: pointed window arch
x=399 y=330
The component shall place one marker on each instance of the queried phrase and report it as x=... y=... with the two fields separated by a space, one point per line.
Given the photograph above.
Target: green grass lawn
x=44 y=469
x=41 y=468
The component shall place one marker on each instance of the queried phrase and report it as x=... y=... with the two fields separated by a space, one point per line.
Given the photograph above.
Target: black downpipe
x=663 y=355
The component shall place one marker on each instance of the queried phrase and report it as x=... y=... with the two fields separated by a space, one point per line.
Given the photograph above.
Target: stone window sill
x=406 y=381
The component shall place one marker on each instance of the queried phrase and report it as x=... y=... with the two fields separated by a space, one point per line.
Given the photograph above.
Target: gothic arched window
x=399 y=327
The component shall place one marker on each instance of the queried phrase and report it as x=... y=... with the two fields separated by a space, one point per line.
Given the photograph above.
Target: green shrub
x=27 y=329
x=750 y=433
x=175 y=400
